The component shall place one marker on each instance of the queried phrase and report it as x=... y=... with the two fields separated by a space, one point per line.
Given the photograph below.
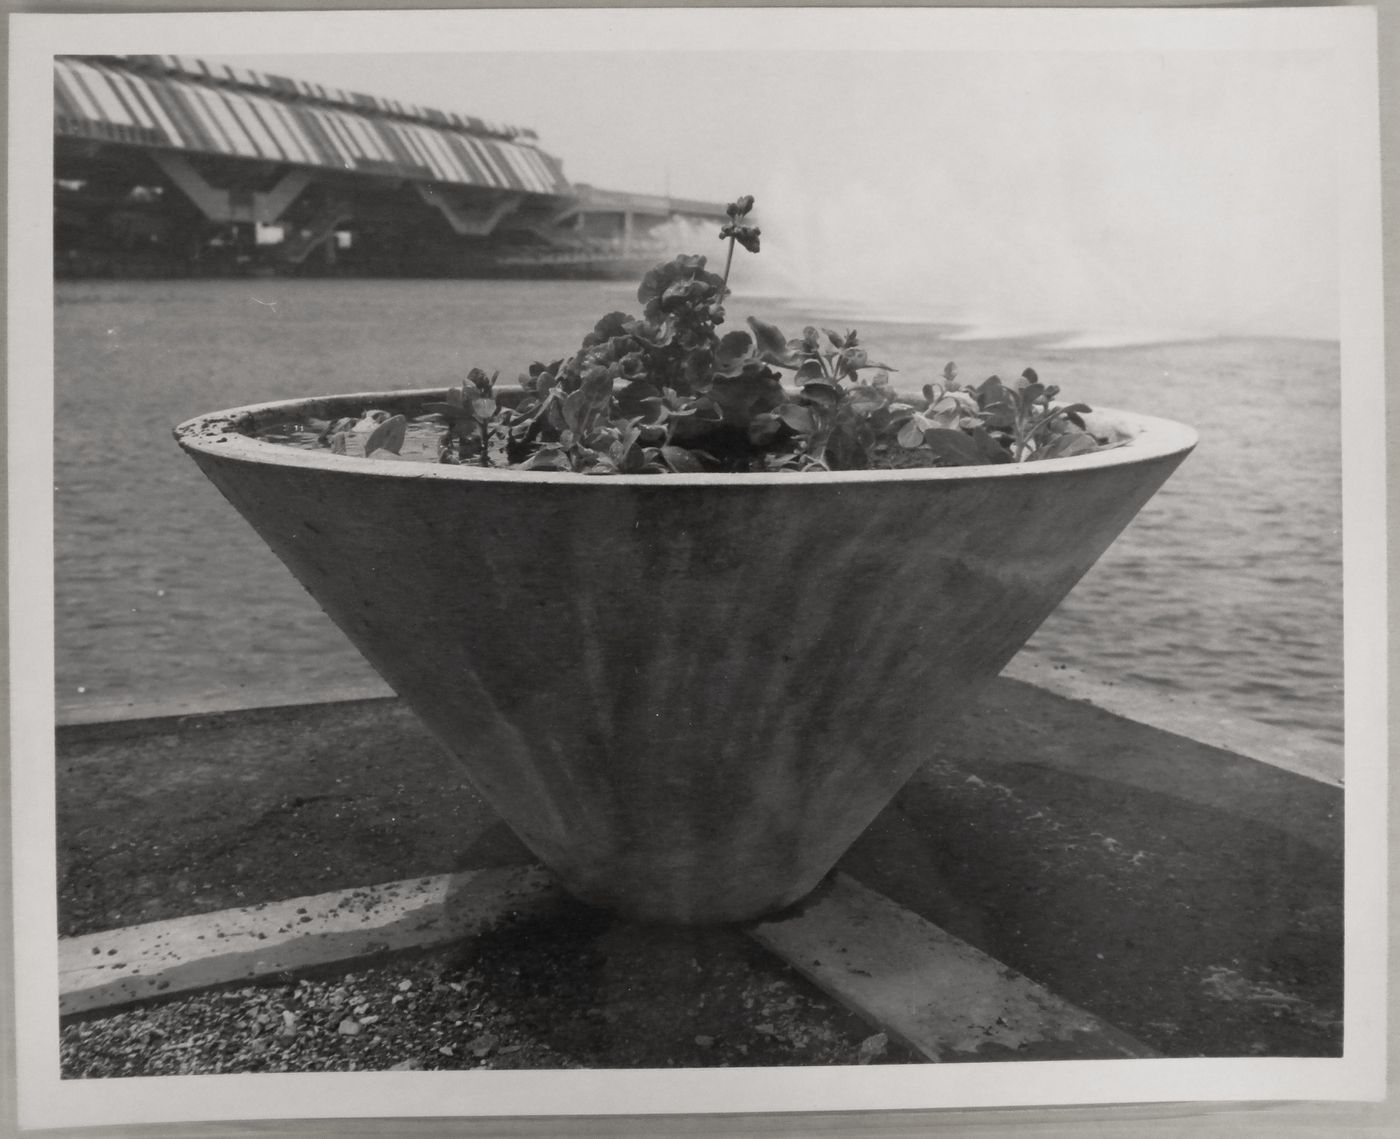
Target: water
x=1227 y=584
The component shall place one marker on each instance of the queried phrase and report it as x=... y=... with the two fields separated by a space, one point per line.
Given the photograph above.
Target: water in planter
x=1228 y=584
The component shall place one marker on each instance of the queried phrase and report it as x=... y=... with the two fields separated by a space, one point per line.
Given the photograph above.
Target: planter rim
x=218 y=434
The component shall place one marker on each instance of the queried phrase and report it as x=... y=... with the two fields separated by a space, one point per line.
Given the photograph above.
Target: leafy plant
x=667 y=392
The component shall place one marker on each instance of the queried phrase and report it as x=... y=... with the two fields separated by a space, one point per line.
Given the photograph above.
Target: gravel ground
x=569 y=989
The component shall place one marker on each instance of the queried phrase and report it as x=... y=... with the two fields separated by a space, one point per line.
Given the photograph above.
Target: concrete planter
x=688 y=694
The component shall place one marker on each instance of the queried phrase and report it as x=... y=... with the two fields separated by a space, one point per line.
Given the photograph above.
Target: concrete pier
x=1159 y=893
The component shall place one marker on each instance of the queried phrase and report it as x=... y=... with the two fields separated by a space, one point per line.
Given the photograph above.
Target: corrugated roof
x=188 y=104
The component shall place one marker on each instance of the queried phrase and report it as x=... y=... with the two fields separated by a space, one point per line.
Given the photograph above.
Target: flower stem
x=728 y=261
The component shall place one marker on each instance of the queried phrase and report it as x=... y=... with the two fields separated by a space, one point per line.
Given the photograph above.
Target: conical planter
x=687 y=694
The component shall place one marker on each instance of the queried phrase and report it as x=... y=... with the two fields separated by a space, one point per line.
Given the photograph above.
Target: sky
x=1180 y=192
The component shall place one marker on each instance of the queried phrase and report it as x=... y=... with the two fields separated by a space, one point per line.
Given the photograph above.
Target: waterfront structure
x=167 y=164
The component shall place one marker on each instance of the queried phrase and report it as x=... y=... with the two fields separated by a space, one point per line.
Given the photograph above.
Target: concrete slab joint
x=926 y=988
x=160 y=959
x=934 y=993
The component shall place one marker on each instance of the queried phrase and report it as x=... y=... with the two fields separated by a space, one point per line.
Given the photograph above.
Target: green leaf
x=734 y=348
x=388 y=436
x=764 y=428
x=770 y=344
x=997 y=401
x=1070 y=443
x=992 y=451
x=575 y=409
x=864 y=400
x=954 y=448
x=848 y=447
x=450 y=411
x=742 y=397
x=681 y=460
x=801 y=419
x=822 y=392
x=658 y=334
x=550 y=457
x=640 y=398
x=911 y=435
x=554 y=414
x=629 y=457
x=610 y=326
x=809 y=371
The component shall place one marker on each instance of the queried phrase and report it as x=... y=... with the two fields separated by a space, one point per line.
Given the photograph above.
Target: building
x=166 y=165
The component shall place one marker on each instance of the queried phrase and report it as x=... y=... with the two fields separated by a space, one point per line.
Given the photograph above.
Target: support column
x=215 y=204
x=269 y=207
x=219 y=205
x=465 y=220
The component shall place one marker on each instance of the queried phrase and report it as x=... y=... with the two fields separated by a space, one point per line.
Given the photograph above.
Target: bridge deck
x=152 y=101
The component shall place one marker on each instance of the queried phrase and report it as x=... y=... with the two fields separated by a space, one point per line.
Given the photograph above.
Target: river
x=1228 y=583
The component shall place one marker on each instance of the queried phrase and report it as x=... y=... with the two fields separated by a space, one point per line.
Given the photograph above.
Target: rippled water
x=1228 y=583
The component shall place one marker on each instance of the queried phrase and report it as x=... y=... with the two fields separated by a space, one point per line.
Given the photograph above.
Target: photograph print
x=755 y=564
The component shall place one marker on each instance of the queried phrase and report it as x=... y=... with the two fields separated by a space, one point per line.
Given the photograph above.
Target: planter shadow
x=687 y=694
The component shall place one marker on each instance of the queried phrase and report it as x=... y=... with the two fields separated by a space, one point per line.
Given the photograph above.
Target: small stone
x=405 y=1066
x=405 y=985
x=872 y=1048
x=764 y=1029
x=483 y=1046
x=446 y=1050
x=705 y=1041
x=349 y=1027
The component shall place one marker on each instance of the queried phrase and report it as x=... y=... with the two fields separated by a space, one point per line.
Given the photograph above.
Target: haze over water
x=1116 y=195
